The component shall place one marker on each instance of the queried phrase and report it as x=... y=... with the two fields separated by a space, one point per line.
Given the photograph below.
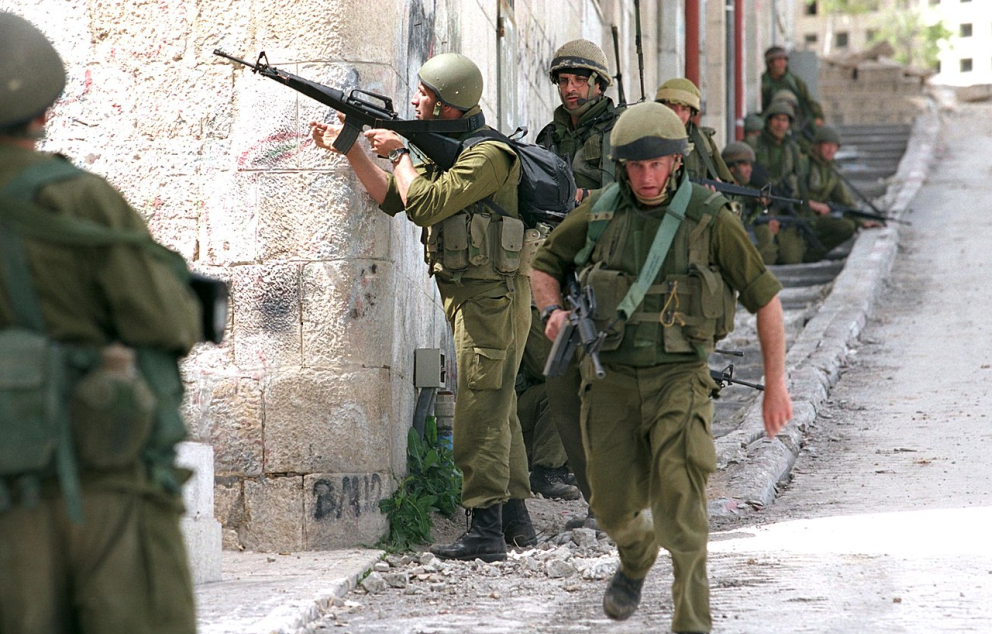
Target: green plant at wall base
x=433 y=483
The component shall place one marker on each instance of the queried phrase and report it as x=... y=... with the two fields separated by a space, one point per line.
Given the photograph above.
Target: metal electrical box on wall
x=429 y=368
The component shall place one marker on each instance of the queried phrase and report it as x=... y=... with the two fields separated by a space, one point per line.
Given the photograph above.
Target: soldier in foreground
x=682 y=96
x=89 y=493
x=647 y=424
x=486 y=294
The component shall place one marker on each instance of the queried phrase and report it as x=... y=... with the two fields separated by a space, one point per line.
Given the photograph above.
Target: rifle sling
x=700 y=146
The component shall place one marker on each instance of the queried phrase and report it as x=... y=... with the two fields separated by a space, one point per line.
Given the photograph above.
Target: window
x=811 y=8
x=965 y=30
x=841 y=39
x=810 y=39
x=966 y=65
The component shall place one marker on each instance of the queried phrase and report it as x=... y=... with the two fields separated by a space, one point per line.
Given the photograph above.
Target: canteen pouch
x=113 y=411
x=31 y=379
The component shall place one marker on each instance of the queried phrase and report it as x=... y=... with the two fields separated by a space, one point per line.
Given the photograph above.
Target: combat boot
x=622 y=596
x=483 y=540
x=518 y=530
x=550 y=483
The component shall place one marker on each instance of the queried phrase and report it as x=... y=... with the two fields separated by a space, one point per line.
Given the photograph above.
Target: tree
x=916 y=43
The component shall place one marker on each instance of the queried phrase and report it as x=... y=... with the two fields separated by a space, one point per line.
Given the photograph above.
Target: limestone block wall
x=870 y=92
x=308 y=401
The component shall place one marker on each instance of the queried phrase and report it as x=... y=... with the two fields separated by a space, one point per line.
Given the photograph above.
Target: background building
x=308 y=402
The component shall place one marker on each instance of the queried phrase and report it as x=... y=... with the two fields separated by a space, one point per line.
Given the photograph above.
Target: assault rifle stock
x=360 y=111
x=579 y=329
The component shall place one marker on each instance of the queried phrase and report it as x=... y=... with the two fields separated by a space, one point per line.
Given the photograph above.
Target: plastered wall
x=308 y=402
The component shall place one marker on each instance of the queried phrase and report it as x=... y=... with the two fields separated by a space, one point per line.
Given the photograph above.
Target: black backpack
x=547 y=189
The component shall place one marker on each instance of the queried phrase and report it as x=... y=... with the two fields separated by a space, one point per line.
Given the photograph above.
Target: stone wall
x=870 y=92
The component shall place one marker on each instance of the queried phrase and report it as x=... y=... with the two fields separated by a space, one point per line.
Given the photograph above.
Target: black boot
x=551 y=484
x=517 y=527
x=622 y=596
x=483 y=540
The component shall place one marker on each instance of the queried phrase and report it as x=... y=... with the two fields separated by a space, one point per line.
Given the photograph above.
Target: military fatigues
x=647 y=425
x=809 y=109
x=124 y=568
x=705 y=161
x=487 y=302
x=586 y=147
x=788 y=169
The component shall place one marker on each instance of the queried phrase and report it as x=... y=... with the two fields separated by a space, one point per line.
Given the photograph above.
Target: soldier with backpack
x=473 y=237
x=93 y=318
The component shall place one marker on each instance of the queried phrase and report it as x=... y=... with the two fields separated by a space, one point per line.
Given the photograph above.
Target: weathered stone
x=231 y=419
x=273 y=514
x=381 y=566
x=396 y=579
x=374 y=583
x=343 y=509
x=229 y=508
x=557 y=568
x=327 y=422
x=266 y=305
x=584 y=538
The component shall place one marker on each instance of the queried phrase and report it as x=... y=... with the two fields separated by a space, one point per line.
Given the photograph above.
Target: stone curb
x=756 y=464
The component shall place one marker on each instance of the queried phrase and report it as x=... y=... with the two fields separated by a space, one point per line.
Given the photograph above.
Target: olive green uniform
x=809 y=109
x=787 y=169
x=123 y=569
x=705 y=161
x=487 y=303
x=586 y=145
x=647 y=424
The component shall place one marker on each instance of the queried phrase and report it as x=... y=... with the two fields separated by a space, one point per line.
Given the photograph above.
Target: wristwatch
x=546 y=313
x=394 y=156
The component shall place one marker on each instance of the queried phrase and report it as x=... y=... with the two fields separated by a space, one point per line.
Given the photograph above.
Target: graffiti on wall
x=351 y=496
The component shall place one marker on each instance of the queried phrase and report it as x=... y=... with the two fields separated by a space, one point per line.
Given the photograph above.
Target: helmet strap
x=437 y=108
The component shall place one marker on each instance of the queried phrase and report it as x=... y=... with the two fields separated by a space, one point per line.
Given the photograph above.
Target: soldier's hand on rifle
x=555 y=323
x=382 y=141
x=821 y=208
x=773 y=226
x=871 y=224
x=324 y=134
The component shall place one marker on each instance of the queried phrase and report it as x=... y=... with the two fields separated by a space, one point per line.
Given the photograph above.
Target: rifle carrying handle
x=347 y=137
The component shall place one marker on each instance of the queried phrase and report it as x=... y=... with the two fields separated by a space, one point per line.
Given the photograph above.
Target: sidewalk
x=284 y=593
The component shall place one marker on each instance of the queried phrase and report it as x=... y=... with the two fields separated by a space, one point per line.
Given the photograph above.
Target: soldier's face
x=648 y=177
x=423 y=102
x=778 y=125
x=827 y=150
x=741 y=171
x=684 y=112
x=575 y=90
x=777 y=66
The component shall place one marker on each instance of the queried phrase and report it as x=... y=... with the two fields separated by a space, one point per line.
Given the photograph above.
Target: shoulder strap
x=703 y=148
x=600 y=215
x=674 y=216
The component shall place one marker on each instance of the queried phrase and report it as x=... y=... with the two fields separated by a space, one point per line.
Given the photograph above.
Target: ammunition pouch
x=476 y=245
x=609 y=288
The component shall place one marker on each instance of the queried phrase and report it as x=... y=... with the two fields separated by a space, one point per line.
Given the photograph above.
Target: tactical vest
x=475 y=244
x=688 y=308
x=67 y=408
x=587 y=147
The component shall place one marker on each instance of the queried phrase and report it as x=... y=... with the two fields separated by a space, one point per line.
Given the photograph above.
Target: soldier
x=579 y=133
x=825 y=187
x=753 y=125
x=485 y=294
x=777 y=77
x=682 y=96
x=89 y=494
x=647 y=423
x=739 y=157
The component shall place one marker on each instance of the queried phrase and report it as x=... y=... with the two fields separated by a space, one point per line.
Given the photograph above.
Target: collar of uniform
x=602 y=111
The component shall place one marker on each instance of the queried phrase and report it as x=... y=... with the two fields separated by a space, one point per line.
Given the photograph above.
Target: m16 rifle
x=578 y=330
x=361 y=111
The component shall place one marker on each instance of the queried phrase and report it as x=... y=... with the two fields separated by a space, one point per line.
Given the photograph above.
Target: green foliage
x=845 y=6
x=433 y=483
x=915 y=42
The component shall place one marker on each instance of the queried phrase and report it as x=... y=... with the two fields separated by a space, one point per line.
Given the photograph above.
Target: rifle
x=622 y=103
x=871 y=205
x=579 y=329
x=857 y=213
x=637 y=44
x=725 y=377
x=747 y=192
x=359 y=112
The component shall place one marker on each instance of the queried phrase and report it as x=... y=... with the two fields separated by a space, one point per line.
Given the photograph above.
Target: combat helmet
x=737 y=151
x=826 y=134
x=32 y=75
x=681 y=91
x=581 y=54
x=775 y=52
x=454 y=78
x=787 y=96
x=780 y=107
x=753 y=122
x=648 y=130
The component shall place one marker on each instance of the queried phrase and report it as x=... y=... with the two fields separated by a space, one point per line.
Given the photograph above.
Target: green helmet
x=681 y=91
x=580 y=54
x=646 y=131
x=737 y=151
x=780 y=107
x=826 y=134
x=775 y=52
x=31 y=75
x=454 y=78
x=787 y=96
x=753 y=122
